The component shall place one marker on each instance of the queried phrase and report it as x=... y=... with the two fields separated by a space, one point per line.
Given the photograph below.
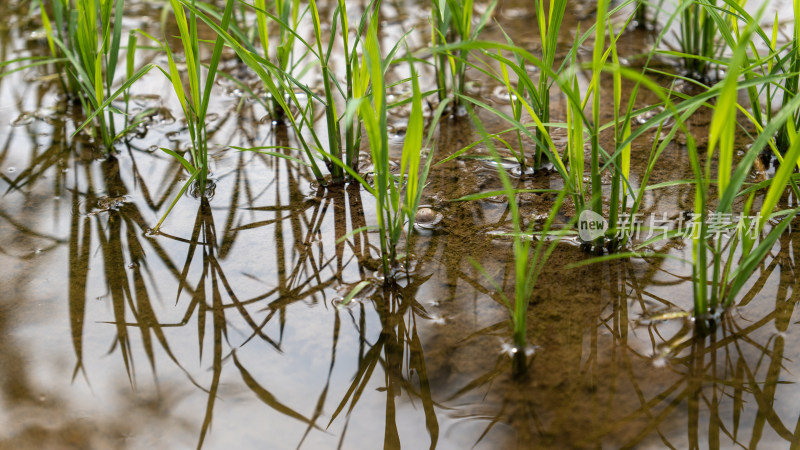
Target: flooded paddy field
x=259 y=316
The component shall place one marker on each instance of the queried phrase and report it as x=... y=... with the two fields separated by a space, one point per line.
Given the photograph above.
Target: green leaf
x=186 y=164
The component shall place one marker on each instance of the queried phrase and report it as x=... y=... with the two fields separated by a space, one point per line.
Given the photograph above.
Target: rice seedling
x=452 y=22
x=343 y=139
x=641 y=14
x=791 y=85
x=287 y=14
x=84 y=39
x=194 y=100
x=271 y=76
x=620 y=160
x=721 y=267
x=519 y=106
x=731 y=267
x=357 y=85
x=549 y=30
x=328 y=80
x=397 y=195
x=598 y=60
x=534 y=95
x=771 y=72
x=527 y=266
x=779 y=70
x=700 y=49
x=579 y=124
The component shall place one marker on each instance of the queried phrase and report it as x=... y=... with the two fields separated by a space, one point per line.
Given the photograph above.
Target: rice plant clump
x=85 y=41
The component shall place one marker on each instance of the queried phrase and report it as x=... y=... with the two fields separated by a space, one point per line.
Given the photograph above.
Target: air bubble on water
x=37 y=35
x=427 y=218
x=660 y=361
x=396 y=132
x=518 y=172
x=511 y=350
x=438 y=320
x=473 y=87
x=501 y=95
x=644 y=117
x=515 y=13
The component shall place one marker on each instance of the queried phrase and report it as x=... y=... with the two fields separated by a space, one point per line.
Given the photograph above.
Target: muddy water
x=227 y=329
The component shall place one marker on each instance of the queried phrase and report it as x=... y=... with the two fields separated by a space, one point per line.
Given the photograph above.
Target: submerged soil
x=227 y=329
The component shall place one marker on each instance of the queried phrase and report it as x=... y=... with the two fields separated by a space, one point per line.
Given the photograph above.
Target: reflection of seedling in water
x=118 y=232
x=207 y=302
x=641 y=14
x=399 y=352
